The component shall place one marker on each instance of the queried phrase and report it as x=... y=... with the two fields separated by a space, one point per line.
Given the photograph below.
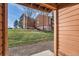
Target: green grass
x=18 y=37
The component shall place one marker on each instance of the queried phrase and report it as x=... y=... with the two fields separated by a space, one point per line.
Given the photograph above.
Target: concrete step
x=44 y=53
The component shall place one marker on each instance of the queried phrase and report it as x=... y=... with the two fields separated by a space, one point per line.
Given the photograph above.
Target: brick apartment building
x=26 y=22
x=43 y=22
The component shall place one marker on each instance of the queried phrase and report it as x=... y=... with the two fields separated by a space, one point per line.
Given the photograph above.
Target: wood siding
x=3 y=29
x=68 y=29
x=0 y=29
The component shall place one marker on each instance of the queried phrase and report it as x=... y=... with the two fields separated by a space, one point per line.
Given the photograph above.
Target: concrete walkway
x=44 y=53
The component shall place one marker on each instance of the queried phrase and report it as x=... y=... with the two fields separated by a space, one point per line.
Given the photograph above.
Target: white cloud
x=22 y=8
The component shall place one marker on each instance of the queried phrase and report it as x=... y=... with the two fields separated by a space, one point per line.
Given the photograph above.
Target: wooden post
x=5 y=29
x=56 y=32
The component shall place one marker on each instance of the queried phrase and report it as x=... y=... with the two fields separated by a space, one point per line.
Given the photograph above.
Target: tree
x=16 y=24
x=20 y=24
x=29 y=12
x=52 y=23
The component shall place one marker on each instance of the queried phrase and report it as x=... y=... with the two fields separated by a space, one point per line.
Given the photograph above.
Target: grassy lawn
x=18 y=37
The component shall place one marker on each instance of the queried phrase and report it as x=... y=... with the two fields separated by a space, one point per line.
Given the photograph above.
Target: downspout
x=43 y=21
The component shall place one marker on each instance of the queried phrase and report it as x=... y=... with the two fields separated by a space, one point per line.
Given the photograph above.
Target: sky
x=15 y=11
